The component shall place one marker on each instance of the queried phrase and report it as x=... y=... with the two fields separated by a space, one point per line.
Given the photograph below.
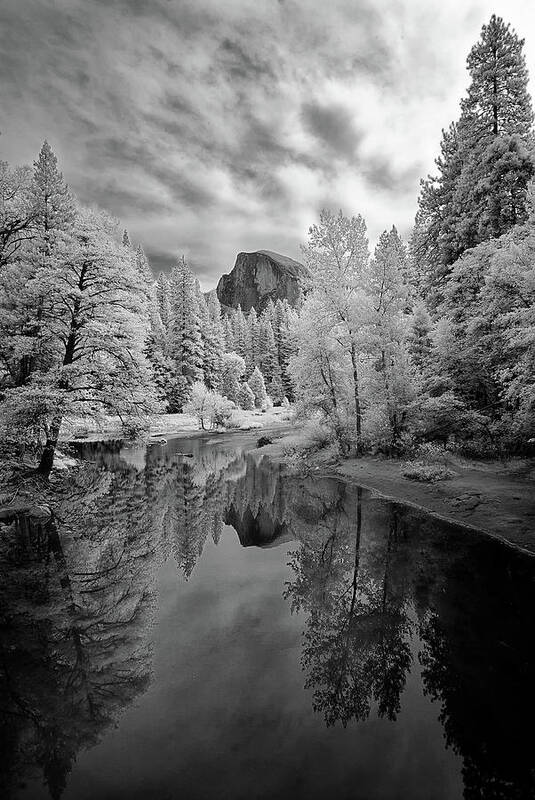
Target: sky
x=210 y=127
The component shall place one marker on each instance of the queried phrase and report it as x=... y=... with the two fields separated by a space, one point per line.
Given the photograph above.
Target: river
x=196 y=623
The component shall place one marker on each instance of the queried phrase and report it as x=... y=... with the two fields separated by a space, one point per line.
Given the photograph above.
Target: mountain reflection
x=382 y=593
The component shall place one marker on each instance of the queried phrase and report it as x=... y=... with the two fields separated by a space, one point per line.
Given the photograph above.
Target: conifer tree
x=228 y=334
x=268 y=362
x=258 y=387
x=185 y=342
x=214 y=342
x=126 y=239
x=246 y=398
x=53 y=203
x=239 y=327
x=163 y=295
x=143 y=267
x=420 y=340
x=486 y=161
x=252 y=337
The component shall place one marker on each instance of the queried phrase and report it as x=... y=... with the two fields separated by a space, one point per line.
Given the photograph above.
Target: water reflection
x=383 y=597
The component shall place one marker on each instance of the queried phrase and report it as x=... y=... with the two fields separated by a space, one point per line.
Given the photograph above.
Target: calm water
x=208 y=627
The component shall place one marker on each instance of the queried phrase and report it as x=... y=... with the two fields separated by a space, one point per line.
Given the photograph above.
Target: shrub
x=211 y=409
x=134 y=428
x=319 y=437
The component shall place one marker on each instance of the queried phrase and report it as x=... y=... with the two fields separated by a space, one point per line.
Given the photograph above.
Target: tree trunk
x=358 y=412
x=49 y=450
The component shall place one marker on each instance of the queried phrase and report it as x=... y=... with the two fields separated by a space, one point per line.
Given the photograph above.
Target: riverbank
x=496 y=498
x=176 y=425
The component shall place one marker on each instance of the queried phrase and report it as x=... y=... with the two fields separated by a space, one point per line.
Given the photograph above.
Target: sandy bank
x=494 y=497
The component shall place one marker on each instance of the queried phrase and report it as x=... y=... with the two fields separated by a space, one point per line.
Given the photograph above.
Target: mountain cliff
x=259 y=277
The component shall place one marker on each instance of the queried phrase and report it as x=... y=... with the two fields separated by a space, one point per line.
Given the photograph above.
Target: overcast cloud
x=215 y=126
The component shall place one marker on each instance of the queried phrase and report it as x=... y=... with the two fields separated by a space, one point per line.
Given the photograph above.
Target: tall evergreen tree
x=185 y=342
x=486 y=161
x=212 y=338
x=228 y=334
x=163 y=295
x=268 y=362
x=239 y=327
x=143 y=267
x=52 y=200
x=252 y=357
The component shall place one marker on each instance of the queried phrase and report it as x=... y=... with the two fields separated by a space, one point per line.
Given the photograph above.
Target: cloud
x=334 y=127
x=211 y=127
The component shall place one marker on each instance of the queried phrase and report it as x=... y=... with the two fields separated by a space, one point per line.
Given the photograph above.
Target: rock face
x=259 y=277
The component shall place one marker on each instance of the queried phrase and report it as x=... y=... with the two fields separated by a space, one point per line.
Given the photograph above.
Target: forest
x=431 y=340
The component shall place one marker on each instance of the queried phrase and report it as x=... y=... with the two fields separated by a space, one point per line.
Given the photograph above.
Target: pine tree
x=185 y=343
x=258 y=387
x=252 y=358
x=126 y=239
x=268 y=362
x=228 y=335
x=143 y=266
x=239 y=327
x=419 y=339
x=486 y=161
x=498 y=102
x=284 y=318
x=246 y=398
x=163 y=295
x=214 y=344
x=53 y=203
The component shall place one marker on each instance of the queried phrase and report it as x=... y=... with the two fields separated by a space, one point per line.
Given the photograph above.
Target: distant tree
x=185 y=341
x=246 y=397
x=213 y=340
x=163 y=295
x=239 y=328
x=253 y=352
x=268 y=363
x=258 y=387
x=419 y=337
x=232 y=371
x=143 y=266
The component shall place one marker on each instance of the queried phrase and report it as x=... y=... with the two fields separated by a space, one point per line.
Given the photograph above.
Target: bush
x=319 y=437
x=210 y=408
x=134 y=428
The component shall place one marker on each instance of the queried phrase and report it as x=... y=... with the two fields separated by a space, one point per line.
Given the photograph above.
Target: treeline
x=87 y=332
x=437 y=340
x=243 y=358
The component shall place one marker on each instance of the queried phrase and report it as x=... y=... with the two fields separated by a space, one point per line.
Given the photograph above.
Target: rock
x=259 y=277
x=263 y=441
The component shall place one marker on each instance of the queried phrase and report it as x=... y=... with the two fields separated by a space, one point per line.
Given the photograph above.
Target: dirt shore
x=497 y=498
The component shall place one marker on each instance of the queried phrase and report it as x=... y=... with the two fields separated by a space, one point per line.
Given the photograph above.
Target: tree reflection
x=374 y=583
x=477 y=658
x=75 y=606
x=356 y=642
